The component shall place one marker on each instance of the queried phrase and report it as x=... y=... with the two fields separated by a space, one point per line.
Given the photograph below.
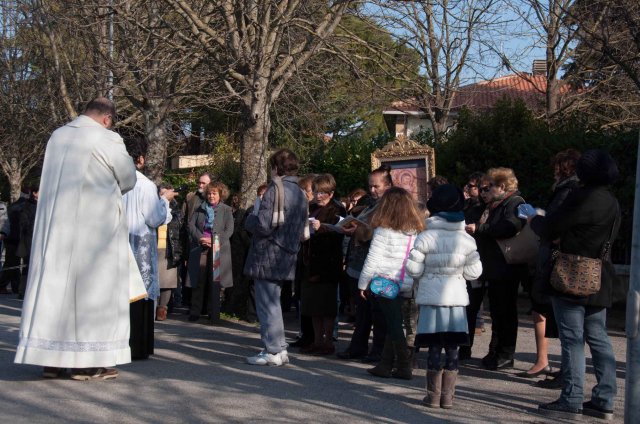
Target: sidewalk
x=198 y=374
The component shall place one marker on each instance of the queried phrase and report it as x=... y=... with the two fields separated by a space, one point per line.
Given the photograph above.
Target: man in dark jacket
x=277 y=226
x=26 y=224
x=10 y=242
x=192 y=201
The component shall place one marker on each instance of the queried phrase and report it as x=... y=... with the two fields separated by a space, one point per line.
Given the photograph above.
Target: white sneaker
x=284 y=355
x=265 y=358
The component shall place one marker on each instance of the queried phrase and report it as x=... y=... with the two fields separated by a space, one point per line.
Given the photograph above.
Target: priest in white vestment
x=145 y=212
x=76 y=307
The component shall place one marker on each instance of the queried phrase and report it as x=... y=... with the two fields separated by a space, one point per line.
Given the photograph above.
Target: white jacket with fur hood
x=386 y=257
x=444 y=256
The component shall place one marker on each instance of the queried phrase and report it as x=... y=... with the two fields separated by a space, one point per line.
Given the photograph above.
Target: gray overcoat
x=223 y=226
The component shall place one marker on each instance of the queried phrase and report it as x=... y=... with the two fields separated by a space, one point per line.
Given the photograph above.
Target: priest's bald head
x=101 y=110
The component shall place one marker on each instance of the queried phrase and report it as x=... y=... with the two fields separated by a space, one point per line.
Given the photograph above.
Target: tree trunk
x=156 y=133
x=254 y=147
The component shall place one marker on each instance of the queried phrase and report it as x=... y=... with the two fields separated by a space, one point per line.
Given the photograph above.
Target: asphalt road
x=198 y=375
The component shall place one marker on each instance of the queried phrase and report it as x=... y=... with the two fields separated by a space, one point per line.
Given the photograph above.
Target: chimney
x=539 y=67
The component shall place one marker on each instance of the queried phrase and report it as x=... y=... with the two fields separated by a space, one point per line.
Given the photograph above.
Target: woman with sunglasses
x=500 y=220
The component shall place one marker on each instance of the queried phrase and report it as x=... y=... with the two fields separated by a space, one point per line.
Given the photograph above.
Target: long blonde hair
x=397 y=210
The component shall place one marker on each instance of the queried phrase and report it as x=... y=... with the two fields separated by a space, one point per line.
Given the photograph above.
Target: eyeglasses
x=485 y=189
x=471 y=186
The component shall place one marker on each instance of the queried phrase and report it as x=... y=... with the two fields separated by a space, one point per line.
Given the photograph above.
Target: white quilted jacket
x=443 y=257
x=386 y=256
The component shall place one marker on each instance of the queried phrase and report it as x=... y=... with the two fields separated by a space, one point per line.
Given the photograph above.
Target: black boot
x=404 y=369
x=384 y=367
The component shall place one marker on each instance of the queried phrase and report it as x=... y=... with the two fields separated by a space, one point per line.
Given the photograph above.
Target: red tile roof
x=485 y=94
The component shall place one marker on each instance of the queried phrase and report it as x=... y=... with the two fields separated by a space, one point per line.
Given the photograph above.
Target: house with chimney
x=407 y=117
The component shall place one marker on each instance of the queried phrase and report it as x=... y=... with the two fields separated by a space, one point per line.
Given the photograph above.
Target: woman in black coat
x=500 y=221
x=584 y=224
x=320 y=290
x=566 y=180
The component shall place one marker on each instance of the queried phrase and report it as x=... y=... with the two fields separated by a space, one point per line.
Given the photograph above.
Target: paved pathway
x=198 y=375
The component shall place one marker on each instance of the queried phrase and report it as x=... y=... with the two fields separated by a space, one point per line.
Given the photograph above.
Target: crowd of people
x=413 y=274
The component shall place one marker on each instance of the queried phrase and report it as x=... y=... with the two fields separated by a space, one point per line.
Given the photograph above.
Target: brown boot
x=448 y=388
x=161 y=313
x=383 y=369
x=434 y=384
x=404 y=369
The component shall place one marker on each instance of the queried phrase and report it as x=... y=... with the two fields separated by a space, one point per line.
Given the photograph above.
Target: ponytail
x=385 y=172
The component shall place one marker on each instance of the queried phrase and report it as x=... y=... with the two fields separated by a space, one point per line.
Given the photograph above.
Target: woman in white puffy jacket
x=396 y=222
x=444 y=256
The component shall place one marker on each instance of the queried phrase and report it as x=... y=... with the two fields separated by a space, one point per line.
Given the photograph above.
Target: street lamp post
x=632 y=382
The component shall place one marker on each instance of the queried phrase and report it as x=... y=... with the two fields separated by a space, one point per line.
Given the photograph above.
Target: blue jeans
x=578 y=324
x=269 y=314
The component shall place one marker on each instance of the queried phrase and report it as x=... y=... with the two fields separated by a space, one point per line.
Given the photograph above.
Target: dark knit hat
x=446 y=198
x=597 y=167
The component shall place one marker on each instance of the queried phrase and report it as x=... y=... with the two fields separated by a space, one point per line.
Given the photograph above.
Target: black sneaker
x=371 y=358
x=347 y=354
x=489 y=358
x=550 y=383
x=559 y=410
x=464 y=353
x=591 y=409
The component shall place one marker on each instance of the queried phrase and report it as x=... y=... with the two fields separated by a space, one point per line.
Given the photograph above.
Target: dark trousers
x=10 y=261
x=503 y=306
x=476 y=292
x=392 y=311
x=368 y=315
x=205 y=297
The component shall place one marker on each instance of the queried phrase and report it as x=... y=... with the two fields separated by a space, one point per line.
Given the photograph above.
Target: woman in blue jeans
x=584 y=224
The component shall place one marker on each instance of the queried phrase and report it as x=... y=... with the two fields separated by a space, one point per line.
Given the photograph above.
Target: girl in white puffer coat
x=444 y=256
x=396 y=222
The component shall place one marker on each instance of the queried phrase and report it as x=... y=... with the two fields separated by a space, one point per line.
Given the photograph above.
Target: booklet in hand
x=344 y=222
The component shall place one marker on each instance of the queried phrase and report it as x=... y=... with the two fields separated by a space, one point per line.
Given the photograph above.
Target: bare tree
x=447 y=35
x=548 y=27
x=27 y=103
x=133 y=52
x=257 y=46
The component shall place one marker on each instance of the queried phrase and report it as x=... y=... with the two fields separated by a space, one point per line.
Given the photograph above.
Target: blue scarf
x=211 y=214
x=452 y=216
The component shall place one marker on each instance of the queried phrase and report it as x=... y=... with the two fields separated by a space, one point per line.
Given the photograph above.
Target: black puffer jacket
x=583 y=224
x=502 y=223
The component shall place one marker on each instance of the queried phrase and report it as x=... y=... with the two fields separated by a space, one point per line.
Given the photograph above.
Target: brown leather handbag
x=576 y=275
x=579 y=275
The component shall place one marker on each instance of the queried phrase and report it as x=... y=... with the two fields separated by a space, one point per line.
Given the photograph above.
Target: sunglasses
x=485 y=188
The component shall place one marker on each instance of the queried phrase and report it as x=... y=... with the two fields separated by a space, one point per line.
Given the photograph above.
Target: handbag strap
x=406 y=256
x=606 y=247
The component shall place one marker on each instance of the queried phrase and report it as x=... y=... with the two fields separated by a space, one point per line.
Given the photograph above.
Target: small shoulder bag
x=579 y=275
x=386 y=286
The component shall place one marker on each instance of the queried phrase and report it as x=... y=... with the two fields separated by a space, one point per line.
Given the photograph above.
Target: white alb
x=76 y=308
